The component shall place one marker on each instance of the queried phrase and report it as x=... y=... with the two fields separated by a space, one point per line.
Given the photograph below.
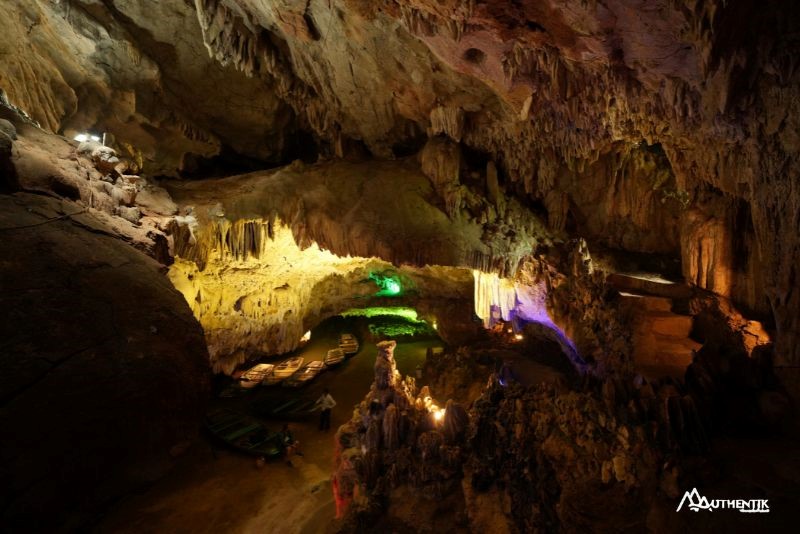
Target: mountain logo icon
x=696 y=501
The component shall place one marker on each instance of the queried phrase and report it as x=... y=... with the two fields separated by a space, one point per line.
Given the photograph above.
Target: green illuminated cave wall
x=393 y=321
x=388 y=283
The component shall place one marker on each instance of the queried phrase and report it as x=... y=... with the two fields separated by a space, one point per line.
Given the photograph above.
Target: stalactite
x=232 y=41
x=491 y=291
x=449 y=121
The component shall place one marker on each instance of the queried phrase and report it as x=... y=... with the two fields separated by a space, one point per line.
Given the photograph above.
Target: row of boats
x=244 y=433
x=293 y=372
x=250 y=435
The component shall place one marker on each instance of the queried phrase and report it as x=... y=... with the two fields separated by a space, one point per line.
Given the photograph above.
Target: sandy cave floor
x=215 y=489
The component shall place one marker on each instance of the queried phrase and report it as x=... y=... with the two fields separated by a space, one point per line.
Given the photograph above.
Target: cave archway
x=256 y=292
x=549 y=345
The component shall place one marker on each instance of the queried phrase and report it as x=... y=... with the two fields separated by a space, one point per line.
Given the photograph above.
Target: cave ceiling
x=664 y=127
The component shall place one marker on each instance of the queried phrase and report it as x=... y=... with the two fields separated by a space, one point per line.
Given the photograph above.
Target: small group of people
x=291 y=447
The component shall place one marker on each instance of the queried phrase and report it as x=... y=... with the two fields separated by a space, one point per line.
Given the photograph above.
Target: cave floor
x=215 y=489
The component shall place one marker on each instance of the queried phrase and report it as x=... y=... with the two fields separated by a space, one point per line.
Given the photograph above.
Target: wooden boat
x=232 y=391
x=244 y=433
x=291 y=409
x=348 y=343
x=272 y=379
x=305 y=374
x=288 y=367
x=255 y=375
x=334 y=357
x=302 y=409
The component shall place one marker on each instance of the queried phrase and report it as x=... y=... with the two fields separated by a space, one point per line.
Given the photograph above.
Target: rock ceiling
x=440 y=136
x=678 y=118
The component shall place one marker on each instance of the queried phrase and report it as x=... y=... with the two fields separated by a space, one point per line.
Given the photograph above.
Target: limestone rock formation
x=573 y=109
x=397 y=426
x=105 y=371
x=385 y=369
x=139 y=73
x=520 y=459
x=304 y=254
x=615 y=179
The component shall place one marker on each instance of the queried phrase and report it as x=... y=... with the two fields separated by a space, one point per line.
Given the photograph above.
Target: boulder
x=130 y=214
x=7 y=128
x=105 y=371
x=104 y=158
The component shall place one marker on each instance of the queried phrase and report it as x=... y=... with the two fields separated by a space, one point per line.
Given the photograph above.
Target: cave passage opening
x=348 y=381
x=391 y=322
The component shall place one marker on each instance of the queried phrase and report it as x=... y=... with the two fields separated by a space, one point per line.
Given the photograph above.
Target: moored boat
x=244 y=433
x=348 y=343
x=334 y=357
x=293 y=408
x=305 y=374
x=288 y=367
x=272 y=379
x=255 y=375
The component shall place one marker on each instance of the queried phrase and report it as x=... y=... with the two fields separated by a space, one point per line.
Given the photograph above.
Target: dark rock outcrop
x=105 y=371
x=599 y=455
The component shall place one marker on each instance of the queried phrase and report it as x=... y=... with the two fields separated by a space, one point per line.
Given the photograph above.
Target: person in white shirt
x=325 y=403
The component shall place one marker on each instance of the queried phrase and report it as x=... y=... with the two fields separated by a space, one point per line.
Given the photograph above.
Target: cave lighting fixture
x=83 y=137
x=438 y=414
x=389 y=285
x=433 y=409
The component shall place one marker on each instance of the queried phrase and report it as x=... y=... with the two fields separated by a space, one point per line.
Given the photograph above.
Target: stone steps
x=661 y=336
x=649 y=284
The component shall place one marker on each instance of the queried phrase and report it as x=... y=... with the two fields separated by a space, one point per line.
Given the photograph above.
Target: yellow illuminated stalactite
x=251 y=287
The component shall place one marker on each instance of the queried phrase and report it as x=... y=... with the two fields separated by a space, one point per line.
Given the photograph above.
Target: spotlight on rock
x=388 y=283
x=83 y=137
x=438 y=415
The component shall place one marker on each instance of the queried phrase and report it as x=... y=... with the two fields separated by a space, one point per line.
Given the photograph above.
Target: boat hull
x=244 y=433
x=334 y=357
x=288 y=367
x=305 y=374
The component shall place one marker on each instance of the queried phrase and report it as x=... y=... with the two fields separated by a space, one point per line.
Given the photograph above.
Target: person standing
x=325 y=403
x=290 y=445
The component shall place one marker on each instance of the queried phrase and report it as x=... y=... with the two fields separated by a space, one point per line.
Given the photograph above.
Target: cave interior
x=563 y=235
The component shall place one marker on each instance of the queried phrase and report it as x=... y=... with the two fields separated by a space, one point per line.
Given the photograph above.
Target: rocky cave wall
x=261 y=261
x=462 y=126
x=565 y=85
x=105 y=371
x=566 y=99
x=139 y=72
x=263 y=302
